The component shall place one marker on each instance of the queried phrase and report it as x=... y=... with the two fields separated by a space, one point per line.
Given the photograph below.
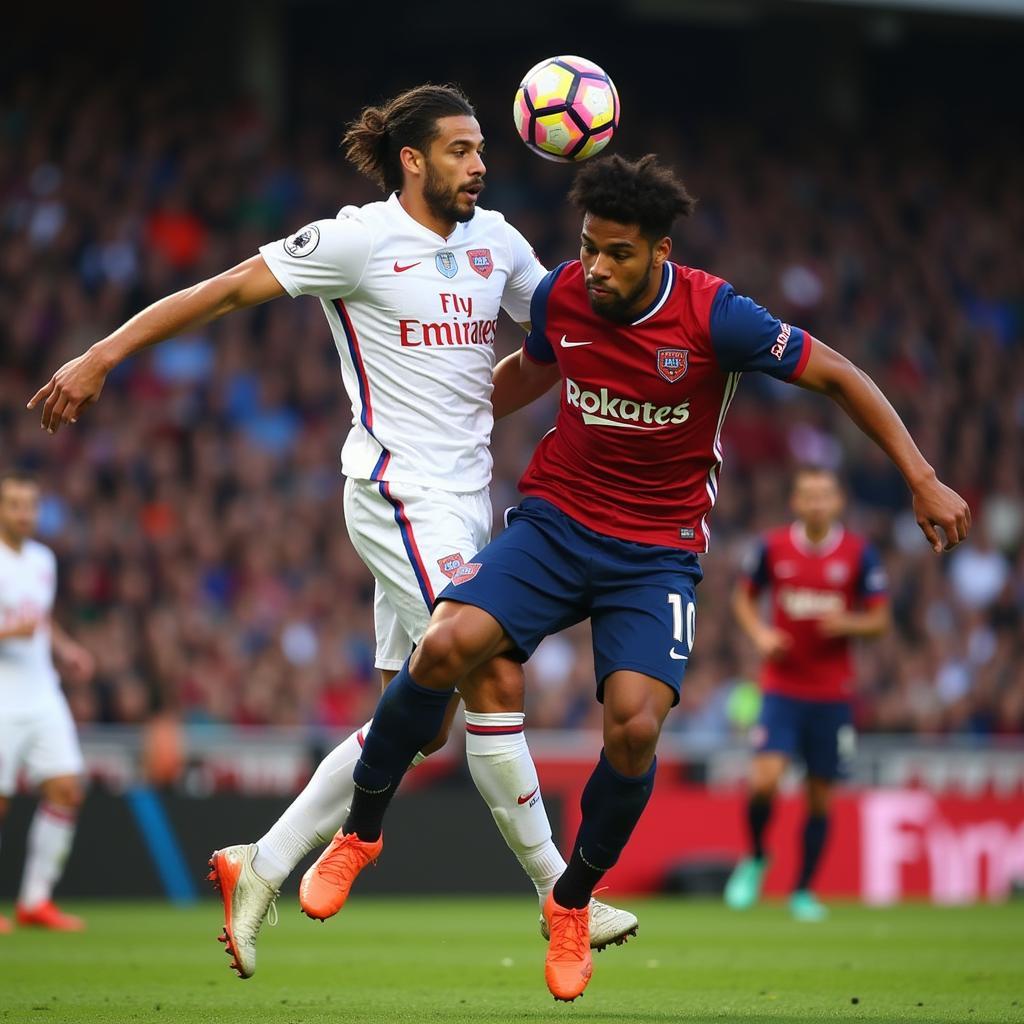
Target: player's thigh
x=776 y=738
x=54 y=751
x=647 y=624
x=829 y=739
x=15 y=737
x=393 y=643
x=414 y=541
x=530 y=580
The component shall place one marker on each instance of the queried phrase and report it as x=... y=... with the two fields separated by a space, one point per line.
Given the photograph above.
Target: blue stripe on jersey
x=745 y=336
x=366 y=412
x=537 y=345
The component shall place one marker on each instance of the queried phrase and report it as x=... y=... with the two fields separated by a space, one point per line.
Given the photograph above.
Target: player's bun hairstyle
x=374 y=140
x=641 y=192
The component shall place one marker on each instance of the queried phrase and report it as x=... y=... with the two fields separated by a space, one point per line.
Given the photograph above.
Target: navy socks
x=612 y=804
x=407 y=718
x=759 y=812
x=815 y=834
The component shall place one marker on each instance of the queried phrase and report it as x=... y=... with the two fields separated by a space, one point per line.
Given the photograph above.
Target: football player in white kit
x=37 y=733
x=411 y=288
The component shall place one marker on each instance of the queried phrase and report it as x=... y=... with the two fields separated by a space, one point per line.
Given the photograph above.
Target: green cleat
x=804 y=906
x=743 y=889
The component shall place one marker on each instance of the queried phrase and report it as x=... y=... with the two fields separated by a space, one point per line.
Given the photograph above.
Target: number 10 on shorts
x=677 y=625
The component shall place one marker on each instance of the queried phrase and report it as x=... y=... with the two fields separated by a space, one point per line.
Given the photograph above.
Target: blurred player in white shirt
x=411 y=288
x=37 y=733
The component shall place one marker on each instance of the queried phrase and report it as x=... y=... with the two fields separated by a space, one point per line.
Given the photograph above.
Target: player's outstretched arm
x=78 y=383
x=518 y=381
x=935 y=504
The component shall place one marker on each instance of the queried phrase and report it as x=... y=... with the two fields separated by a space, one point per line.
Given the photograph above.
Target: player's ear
x=412 y=161
x=661 y=250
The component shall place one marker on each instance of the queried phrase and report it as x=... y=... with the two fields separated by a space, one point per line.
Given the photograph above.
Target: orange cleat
x=5 y=926
x=48 y=915
x=568 y=966
x=326 y=885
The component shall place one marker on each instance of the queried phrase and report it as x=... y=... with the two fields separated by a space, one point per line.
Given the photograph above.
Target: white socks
x=49 y=841
x=501 y=766
x=504 y=772
x=315 y=815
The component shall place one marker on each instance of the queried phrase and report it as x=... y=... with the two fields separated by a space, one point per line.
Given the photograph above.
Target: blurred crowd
x=196 y=510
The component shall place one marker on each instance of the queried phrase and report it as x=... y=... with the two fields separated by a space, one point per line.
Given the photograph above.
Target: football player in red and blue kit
x=827 y=586
x=618 y=497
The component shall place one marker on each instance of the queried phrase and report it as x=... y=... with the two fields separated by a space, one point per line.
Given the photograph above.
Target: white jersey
x=28 y=585
x=414 y=317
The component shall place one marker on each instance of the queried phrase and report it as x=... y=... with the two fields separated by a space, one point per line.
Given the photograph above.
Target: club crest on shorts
x=465 y=572
x=445 y=263
x=480 y=261
x=450 y=564
x=673 y=363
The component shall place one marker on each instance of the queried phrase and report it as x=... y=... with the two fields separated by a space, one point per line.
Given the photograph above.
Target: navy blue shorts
x=820 y=732
x=547 y=572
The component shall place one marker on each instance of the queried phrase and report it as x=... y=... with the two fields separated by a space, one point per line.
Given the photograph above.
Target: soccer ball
x=566 y=109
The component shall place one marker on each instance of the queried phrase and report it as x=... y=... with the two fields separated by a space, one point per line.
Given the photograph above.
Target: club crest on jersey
x=303 y=242
x=480 y=261
x=836 y=572
x=673 y=363
x=445 y=263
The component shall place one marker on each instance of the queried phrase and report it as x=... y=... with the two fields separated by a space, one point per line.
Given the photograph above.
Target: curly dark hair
x=641 y=192
x=374 y=139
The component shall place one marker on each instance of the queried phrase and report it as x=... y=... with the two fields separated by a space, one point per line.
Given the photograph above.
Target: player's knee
x=66 y=793
x=448 y=651
x=630 y=742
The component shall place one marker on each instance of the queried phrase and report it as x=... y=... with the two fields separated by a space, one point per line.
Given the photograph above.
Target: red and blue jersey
x=807 y=583
x=636 y=450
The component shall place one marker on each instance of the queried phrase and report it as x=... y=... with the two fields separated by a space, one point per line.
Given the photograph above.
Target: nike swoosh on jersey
x=402 y=270
x=676 y=656
x=573 y=344
x=529 y=796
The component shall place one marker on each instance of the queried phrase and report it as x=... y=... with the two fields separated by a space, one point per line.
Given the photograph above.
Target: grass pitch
x=461 y=960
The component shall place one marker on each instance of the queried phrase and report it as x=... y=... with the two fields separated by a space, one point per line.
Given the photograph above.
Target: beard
x=443 y=201
x=619 y=308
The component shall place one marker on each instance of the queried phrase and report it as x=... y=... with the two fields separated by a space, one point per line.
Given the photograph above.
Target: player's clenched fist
x=75 y=385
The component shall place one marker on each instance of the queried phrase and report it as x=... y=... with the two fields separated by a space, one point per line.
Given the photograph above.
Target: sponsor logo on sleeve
x=673 y=363
x=781 y=342
x=480 y=261
x=303 y=242
x=446 y=263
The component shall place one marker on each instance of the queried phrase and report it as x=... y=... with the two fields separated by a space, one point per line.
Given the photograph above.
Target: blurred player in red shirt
x=827 y=587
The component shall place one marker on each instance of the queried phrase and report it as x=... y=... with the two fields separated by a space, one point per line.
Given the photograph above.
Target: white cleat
x=608 y=925
x=248 y=900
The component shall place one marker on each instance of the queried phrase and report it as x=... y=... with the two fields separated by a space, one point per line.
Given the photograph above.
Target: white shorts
x=43 y=744
x=414 y=541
